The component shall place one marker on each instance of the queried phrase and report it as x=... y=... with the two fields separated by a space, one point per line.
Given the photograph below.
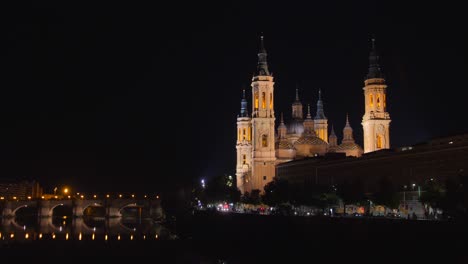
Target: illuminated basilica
x=260 y=146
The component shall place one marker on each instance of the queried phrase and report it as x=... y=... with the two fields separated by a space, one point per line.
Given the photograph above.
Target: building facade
x=261 y=147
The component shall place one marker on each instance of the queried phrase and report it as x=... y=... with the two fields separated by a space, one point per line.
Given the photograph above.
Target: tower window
x=244 y=159
x=244 y=134
x=371 y=100
x=384 y=101
x=264 y=178
x=379 y=141
x=271 y=101
x=256 y=100
x=264 y=141
x=263 y=100
x=378 y=101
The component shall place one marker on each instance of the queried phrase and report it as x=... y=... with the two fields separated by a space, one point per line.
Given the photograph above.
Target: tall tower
x=320 y=120
x=244 y=147
x=263 y=123
x=297 y=107
x=376 y=119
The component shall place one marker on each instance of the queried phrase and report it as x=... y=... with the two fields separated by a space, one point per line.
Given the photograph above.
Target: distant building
x=438 y=159
x=261 y=148
x=11 y=189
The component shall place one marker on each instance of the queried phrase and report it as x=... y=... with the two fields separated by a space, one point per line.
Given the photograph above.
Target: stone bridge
x=113 y=207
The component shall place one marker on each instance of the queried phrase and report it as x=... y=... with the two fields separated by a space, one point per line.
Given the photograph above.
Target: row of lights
x=80 y=236
x=82 y=196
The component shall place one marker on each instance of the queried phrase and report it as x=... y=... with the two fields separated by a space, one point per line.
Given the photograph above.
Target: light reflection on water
x=82 y=229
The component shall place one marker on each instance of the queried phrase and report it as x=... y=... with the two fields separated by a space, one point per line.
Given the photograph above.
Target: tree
x=221 y=189
x=351 y=192
x=433 y=194
x=252 y=197
x=387 y=194
x=276 y=192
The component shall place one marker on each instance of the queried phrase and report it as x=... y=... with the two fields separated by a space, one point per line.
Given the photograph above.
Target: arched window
x=239 y=134
x=256 y=100
x=371 y=100
x=271 y=101
x=263 y=100
x=384 y=101
x=244 y=134
x=378 y=101
x=250 y=134
x=244 y=159
x=379 y=141
x=264 y=141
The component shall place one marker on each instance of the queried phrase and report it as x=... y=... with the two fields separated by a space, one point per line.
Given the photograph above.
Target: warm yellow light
x=156 y=236
x=94 y=196
x=131 y=237
x=157 y=196
x=66 y=236
x=107 y=195
x=12 y=235
x=56 y=197
x=133 y=196
x=80 y=236
x=53 y=235
x=105 y=237
x=81 y=196
x=29 y=197
x=69 y=196
x=2 y=198
x=118 y=237
x=14 y=197
x=93 y=236
x=43 y=197
x=40 y=235
x=0 y=235
x=120 y=196
x=26 y=236
x=65 y=190
x=146 y=196
x=144 y=237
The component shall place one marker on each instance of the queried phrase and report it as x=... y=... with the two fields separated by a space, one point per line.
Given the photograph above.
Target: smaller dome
x=284 y=144
x=296 y=126
x=348 y=146
x=310 y=140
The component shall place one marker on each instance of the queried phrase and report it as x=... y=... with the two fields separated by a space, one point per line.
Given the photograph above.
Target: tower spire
x=308 y=112
x=244 y=112
x=320 y=113
x=282 y=119
x=332 y=132
x=297 y=92
x=347 y=121
x=374 y=67
x=262 y=66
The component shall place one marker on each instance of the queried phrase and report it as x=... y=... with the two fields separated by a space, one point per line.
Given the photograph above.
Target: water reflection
x=63 y=227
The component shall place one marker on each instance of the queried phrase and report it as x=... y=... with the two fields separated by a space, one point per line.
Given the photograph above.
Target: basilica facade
x=261 y=146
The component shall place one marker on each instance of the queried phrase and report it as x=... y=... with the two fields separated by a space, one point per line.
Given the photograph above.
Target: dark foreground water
x=236 y=238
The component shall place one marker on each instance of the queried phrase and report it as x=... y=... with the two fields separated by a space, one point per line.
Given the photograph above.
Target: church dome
x=310 y=140
x=348 y=146
x=284 y=144
x=296 y=126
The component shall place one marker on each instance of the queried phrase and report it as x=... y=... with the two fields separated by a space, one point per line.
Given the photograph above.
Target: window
x=264 y=178
x=244 y=134
x=378 y=101
x=256 y=100
x=244 y=159
x=371 y=100
x=384 y=101
x=271 y=101
x=264 y=141
x=379 y=141
x=263 y=100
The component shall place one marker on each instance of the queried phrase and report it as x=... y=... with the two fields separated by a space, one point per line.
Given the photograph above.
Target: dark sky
x=126 y=97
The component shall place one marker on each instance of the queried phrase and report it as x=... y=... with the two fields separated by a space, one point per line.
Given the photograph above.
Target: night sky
x=145 y=97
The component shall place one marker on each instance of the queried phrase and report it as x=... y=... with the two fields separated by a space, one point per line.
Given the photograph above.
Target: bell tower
x=263 y=124
x=376 y=119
